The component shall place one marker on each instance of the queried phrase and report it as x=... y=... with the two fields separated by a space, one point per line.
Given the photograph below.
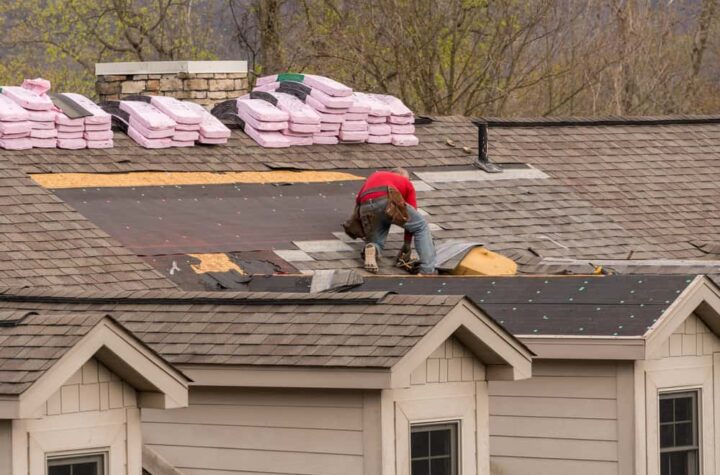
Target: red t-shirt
x=380 y=179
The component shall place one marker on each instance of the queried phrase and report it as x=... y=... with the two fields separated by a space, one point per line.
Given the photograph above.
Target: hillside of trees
x=469 y=57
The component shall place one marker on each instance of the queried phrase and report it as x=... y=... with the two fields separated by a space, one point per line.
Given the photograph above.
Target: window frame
x=77 y=458
x=696 y=417
x=454 y=426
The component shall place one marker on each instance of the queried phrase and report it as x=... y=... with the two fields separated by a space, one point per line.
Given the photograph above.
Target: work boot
x=370 y=254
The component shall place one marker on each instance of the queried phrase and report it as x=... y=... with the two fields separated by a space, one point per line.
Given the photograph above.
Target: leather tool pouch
x=396 y=209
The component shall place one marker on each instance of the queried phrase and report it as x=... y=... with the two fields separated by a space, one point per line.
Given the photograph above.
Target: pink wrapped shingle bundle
x=97 y=127
x=401 y=121
x=28 y=99
x=186 y=118
x=211 y=130
x=70 y=132
x=148 y=126
x=14 y=125
x=264 y=123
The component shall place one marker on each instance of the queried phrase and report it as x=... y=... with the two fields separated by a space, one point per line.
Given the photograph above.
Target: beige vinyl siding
x=92 y=388
x=561 y=421
x=244 y=431
x=451 y=362
x=692 y=338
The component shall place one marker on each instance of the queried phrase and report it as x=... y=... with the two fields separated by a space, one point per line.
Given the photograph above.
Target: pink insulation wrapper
x=377 y=107
x=28 y=99
x=70 y=135
x=100 y=144
x=39 y=86
x=354 y=125
x=380 y=139
x=62 y=119
x=261 y=110
x=98 y=116
x=71 y=144
x=98 y=136
x=43 y=143
x=405 y=140
x=396 y=105
x=304 y=128
x=42 y=125
x=183 y=143
x=379 y=129
x=15 y=127
x=10 y=111
x=356 y=116
x=327 y=85
x=185 y=136
x=401 y=119
x=177 y=110
x=44 y=134
x=139 y=127
x=320 y=107
x=402 y=129
x=212 y=141
x=146 y=142
x=325 y=140
x=187 y=127
x=353 y=136
x=300 y=113
x=15 y=144
x=260 y=124
x=210 y=127
x=268 y=139
x=331 y=101
x=328 y=127
x=42 y=116
x=373 y=119
x=332 y=118
x=148 y=115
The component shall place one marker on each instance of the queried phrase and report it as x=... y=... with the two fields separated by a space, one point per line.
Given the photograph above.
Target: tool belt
x=395 y=210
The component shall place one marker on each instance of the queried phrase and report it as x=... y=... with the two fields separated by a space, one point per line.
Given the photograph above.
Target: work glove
x=404 y=256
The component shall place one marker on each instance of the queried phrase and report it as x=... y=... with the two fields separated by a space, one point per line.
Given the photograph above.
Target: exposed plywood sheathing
x=214 y=262
x=103 y=180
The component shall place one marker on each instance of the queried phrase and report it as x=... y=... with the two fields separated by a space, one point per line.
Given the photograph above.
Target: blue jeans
x=374 y=211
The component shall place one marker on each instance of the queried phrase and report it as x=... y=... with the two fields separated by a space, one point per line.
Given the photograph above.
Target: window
x=433 y=449
x=77 y=465
x=679 y=448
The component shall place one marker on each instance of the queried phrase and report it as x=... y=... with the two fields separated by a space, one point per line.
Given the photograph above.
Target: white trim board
x=170 y=67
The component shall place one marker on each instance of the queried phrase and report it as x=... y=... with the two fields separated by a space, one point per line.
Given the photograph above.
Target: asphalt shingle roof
x=45 y=243
x=358 y=330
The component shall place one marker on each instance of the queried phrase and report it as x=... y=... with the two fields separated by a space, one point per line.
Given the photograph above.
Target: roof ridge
x=597 y=121
x=184 y=297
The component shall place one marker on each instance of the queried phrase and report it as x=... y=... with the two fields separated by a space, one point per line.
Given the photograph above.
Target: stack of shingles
x=97 y=127
x=41 y=114
x=212 y=131
x=187 y=119
x=390 y=120
x=304 y=121
x=14 y=125
x=147 y=125
x=264 y=122
x=70 y=132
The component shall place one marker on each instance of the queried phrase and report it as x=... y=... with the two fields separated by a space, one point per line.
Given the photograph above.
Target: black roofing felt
x=215 y=218
x=617 y=305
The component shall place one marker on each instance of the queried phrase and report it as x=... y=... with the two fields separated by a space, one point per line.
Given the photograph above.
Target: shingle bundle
x=303 y=121
x=187 y=120
x=147 y=125
x=97 y=126
x=211 y=130
x=40 y=114
x=260 y=119
x=14 y=125
x=349 y=116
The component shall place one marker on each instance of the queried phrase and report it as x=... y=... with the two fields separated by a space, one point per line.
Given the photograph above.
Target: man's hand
x=404 y=255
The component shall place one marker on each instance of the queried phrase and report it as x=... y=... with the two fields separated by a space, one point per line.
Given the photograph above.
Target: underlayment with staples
x=618 y=305
x=216 y=218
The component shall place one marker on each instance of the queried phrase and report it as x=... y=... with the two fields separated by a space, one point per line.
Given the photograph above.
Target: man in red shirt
x=372 y=199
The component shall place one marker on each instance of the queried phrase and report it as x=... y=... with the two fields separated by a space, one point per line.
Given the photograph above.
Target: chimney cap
x=170 y=67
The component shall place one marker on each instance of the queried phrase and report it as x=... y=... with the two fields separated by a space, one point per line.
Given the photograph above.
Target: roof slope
x=32 y=346
x=613 y=305
x=45 y=243
x=359 y=330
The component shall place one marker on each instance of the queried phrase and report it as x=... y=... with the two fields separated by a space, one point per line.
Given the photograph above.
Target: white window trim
x=115 y=432
x=75 y=457
x=673 y=375
x=464 y=404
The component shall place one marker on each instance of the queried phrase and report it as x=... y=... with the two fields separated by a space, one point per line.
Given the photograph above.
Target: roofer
x=372 y=200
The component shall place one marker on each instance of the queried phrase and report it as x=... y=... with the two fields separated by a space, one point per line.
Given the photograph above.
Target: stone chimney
x=204 y=82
